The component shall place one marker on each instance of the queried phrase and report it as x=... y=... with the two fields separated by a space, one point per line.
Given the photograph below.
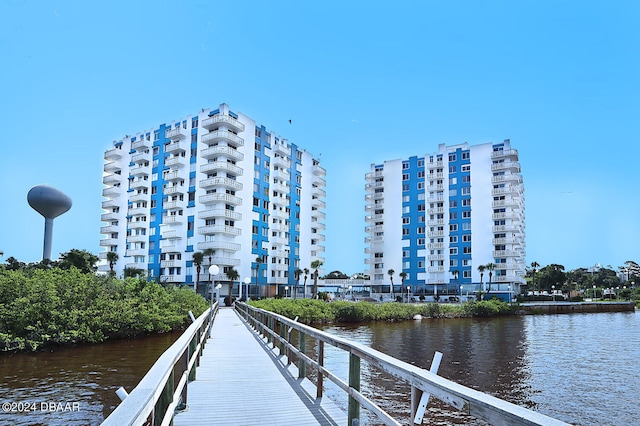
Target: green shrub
x=44 y=307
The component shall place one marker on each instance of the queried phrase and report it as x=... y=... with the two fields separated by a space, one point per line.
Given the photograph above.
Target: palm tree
x=481 y=269
x=296 y=274
x=403 y=276
x=391 y=272
x=535 y=265
x=112 y=258
x=490 y=267
x=233 y=275
x=315 y=265
x=198 y=257
x=306 y=273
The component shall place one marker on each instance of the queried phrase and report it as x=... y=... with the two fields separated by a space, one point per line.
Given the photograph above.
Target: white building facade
x=216 y=183
x=451 y=222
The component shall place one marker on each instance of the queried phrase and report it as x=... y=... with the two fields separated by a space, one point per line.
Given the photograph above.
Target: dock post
x=319 y=388
x=302 y=365
x=353 y=414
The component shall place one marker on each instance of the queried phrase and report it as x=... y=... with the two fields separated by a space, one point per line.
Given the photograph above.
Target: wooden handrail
x=475 y=403
x=155 y=398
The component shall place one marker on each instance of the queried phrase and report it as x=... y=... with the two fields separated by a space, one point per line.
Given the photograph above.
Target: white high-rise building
x=451 y=222
x=216 y=183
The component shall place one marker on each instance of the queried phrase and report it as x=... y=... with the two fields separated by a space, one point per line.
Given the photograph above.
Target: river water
x=579 y=368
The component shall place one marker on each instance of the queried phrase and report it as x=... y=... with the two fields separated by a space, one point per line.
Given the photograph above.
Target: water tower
x=50 y=203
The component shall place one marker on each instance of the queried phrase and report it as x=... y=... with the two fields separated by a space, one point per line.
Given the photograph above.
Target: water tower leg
x=48 y=234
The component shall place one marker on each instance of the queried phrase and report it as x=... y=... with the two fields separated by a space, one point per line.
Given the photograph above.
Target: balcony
x=374 y=228
x=374 y=185
x=316 y=202
x=108 y=204
x=225 y=261
x=169 y=234
x=511 y=189
x=112 y=166
x=374 y=240
x=176 y=134
x=170 y=247
x=106 y=217
x=172 y=176
x=138 y=183
x=141 y=144
x=281 y=148
x=374 y=175
x=222 y=135
x=506 y=165
x=137 y=224
x=140 y=158
x=138 y=211
x=218 y=120
x=107 y=242
x=172 y=279
x=141 y=170
x=435 y=234
x=436 y=257
x=435 y=176
x=229 y=214
x=509 y=177
x=218 y=245
x=113 y=154
x=435 y=222
x=505 y=253
x=505 y=215
x=219 y=229
x=111 y=179
x=227 y=151
x=109 y=229
x=175 y=148
x=319 y=171
x=505 y=153
x=137 y=238
x=435 y=269
x=225 y=166
x=174 y=162
x=281 y=174
x=281 y=162
x=218 y=197
x=435 y=246
x=172 y=220
x=138 y=197
x=112 y=191
x=221 y=181
x=172 y=205
x=170 y=263
x=170 y=190
x=435 y=165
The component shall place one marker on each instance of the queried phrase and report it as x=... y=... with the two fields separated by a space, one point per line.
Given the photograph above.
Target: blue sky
x=362 y=82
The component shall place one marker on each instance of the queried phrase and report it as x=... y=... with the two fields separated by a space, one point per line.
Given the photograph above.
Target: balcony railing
x=229 y=214
x=221 y=119
x=141 y=144
x=217 y=197
x=219 y=229
x=175 y=147
x=216 y=151
x=222 y=135
x=221 y=181
x=175 y=134
x=221 y=166
x=113 y=154
x=218 y=245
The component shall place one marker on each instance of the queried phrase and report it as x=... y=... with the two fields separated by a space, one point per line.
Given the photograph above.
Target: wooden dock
x=243 y=381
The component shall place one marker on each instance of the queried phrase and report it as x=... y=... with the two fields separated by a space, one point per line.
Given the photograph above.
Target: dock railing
x=278 y=329
x=154 y=400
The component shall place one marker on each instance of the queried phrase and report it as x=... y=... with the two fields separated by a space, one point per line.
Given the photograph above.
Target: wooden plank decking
x=242 y=381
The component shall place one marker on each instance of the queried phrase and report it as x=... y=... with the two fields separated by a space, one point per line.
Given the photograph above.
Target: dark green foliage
x=44 y=307
x=486 y=308
x=317 y=311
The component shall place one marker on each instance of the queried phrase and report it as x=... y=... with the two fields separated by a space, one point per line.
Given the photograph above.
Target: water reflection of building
x=454 y=210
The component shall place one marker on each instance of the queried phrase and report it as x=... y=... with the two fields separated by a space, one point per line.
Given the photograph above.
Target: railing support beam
x=353 y=414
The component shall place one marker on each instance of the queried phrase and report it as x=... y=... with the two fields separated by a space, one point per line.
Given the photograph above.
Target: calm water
x=86 y=377
x=580 y=368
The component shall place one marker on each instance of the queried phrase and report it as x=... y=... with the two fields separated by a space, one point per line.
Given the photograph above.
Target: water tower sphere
x=50 y=203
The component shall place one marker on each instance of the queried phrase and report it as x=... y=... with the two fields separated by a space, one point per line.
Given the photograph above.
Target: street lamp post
x=408 y=290
x=286 y=291
x=594 y=293
x=351 y=292
x=553 y=292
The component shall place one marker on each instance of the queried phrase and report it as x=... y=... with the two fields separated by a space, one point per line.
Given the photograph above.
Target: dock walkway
x=243 y=381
